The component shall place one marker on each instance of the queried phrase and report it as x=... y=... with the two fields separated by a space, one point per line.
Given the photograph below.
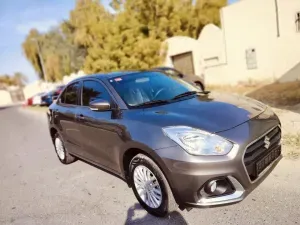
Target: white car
x=37 y=99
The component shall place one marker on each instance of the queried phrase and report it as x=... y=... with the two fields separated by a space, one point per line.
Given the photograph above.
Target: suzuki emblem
x=267 y=142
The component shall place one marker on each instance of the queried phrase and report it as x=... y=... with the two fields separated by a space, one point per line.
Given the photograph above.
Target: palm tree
x=20 y=79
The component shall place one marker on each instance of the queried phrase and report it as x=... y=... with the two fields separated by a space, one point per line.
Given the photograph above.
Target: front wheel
x=61 y=152
x=151 y=187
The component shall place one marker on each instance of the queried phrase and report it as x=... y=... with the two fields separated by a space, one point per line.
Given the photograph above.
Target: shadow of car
x=174 y=217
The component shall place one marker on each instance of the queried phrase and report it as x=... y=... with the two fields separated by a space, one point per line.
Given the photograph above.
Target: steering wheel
x=159 y=92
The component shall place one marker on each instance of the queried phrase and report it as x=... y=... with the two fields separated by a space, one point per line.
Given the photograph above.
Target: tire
x=62 y=154
x=167 y=203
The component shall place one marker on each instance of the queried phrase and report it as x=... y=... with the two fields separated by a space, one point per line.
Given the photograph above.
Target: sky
x=17 y=17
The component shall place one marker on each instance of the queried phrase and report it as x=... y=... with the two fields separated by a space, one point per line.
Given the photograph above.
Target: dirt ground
x=290 y=119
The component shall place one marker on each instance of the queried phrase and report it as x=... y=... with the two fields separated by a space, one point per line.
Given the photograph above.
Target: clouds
x=41 y=26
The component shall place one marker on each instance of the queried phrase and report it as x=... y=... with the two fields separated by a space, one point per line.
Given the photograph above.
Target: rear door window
x=70 y=95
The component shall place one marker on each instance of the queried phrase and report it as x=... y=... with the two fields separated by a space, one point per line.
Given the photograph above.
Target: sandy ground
x=290 y=120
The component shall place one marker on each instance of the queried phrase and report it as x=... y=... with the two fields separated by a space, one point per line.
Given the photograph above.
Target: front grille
x=257 y=151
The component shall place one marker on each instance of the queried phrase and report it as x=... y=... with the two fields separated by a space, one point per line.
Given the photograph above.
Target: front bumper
x=238 y=195
x=188 y=174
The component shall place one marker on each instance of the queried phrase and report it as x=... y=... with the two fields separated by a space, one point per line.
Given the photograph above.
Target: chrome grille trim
x=266 y=169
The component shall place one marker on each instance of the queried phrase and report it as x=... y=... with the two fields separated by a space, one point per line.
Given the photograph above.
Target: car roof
x=103 y=76
x=163 y=68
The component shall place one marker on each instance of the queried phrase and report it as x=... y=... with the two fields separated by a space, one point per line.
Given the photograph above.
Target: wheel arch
x=53 y=131
x=200 y=83
x=132 y=152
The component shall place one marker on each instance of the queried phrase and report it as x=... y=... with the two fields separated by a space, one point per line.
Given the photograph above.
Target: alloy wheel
x=147 y=186
x=59 y=147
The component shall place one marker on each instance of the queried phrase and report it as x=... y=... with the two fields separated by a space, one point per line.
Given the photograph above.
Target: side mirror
x=99 y=105
x=180 y=75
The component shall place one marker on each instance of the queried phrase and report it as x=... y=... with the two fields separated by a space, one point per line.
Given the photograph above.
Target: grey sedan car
x=171 y=143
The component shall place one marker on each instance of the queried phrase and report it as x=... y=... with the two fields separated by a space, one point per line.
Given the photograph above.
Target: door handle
x=80 y=117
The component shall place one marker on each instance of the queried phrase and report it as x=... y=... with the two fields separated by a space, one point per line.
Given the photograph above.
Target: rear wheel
x=151 y=187
x=61 y=152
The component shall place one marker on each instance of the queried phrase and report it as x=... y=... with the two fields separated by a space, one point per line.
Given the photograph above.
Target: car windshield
x=157 y=87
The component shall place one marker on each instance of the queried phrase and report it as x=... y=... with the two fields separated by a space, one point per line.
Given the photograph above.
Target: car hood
x=213 y=112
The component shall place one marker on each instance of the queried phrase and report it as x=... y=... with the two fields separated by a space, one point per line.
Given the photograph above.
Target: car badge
x=267 y=142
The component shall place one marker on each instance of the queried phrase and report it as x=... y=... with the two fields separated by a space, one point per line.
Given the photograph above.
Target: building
x=258 y=42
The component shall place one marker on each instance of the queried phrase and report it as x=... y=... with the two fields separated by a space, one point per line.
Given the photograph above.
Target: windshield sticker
x=118 y=79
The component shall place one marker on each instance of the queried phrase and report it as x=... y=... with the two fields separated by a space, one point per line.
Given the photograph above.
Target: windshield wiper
x=153 y=102
x=188 y=93
x=184 y=94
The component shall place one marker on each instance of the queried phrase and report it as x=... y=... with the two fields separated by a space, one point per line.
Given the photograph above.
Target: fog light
x=217 y=187
x=211 y=187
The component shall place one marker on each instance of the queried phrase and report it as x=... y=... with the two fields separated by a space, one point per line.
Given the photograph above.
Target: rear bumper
x=187 y=174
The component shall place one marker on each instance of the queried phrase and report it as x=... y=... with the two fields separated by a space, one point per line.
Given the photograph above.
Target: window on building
x=251 y=60
x=298 y=21
x=212 y=61
x=93 y=90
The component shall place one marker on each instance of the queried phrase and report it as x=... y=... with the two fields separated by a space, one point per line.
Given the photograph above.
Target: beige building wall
x=251 y=25
x=287 y=48
x=211 y=43
x=5 y=98
x=41 y=86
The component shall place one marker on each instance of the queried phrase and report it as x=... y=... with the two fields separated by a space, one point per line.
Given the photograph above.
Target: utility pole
x=277 y=18
x=41 y=59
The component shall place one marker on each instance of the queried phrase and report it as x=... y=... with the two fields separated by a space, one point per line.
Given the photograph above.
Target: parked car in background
x=37 y=99
x=172 y=143
x=193 y=79
x=29 y=101
x=47 y=99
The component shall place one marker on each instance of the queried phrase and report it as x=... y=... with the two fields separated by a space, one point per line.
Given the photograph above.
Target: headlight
x=198 y=142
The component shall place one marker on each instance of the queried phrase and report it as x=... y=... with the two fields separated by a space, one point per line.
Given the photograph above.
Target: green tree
x=19 y=79
x=6 y=80
x=131 y=38
x=56 y=51
x=31 y=51
x=205 y=12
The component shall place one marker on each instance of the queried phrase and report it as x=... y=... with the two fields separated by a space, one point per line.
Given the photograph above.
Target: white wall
x=287 y=50
x=37 y=87
x=41 y=86
x=72 y=76
x=252 y=24
x=211 y=42
x=5 y=98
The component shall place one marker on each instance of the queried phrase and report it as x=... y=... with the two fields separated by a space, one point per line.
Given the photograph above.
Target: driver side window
x=93 y=90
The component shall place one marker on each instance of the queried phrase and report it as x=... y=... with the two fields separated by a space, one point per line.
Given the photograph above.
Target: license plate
x=267 y=160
